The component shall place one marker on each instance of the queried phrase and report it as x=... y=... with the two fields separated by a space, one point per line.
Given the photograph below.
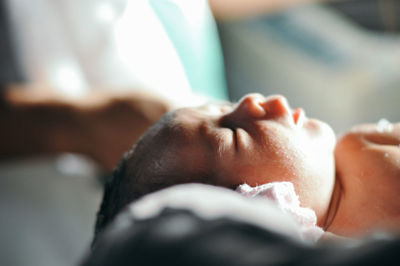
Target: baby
x=262 y=140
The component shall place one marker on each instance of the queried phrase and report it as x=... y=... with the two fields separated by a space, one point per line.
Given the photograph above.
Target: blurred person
x=46 y=106
x=79 y=84
x=167 y=47
x=42 y=59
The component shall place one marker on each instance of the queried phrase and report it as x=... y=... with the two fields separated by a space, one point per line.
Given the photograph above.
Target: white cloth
x=283 y=195
x=74 y=45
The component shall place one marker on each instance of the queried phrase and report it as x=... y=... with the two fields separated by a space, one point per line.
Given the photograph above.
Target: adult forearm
x=101 y=124
x=46 y=126
x=237 y=9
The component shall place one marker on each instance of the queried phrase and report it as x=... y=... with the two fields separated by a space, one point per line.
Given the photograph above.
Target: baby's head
x=256 y=141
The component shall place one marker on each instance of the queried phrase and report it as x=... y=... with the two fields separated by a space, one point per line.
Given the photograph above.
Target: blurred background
x=339 y=60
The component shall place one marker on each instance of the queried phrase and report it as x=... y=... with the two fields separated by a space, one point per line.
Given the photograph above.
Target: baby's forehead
x=184 y=120
x=173 y=129
x=185 y=115
x=205 y=111
x=175 y=140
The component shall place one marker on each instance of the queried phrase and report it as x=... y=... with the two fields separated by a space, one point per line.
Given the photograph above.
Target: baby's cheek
x=259 y=170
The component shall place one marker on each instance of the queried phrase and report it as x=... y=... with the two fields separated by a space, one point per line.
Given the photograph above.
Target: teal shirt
x=196 y=41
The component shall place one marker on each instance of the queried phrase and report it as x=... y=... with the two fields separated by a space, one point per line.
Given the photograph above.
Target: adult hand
x=239 y=9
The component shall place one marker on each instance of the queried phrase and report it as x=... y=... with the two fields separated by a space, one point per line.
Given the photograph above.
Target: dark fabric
x=9 y=70
x=180 y=237
x=376 y=15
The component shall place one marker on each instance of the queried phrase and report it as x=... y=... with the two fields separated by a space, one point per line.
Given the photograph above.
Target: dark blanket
x=180 y=237
x=181 y=234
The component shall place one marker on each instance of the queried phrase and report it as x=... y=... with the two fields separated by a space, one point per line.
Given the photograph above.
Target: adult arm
x=101 y=124
x=237 y=9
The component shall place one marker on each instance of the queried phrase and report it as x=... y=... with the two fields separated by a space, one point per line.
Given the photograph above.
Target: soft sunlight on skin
x=368 y=163
x=259 y=140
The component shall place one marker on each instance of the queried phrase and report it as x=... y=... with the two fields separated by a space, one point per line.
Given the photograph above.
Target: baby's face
x=368 y=169
x=258 y=140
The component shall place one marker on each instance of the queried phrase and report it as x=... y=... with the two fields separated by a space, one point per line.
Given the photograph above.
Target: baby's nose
x=276 y=106
x=255 y=106
x=249 y=108
x=251 y=105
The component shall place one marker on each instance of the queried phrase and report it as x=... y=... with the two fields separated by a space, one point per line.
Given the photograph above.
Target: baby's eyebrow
x=170 y=122
x=220 y=106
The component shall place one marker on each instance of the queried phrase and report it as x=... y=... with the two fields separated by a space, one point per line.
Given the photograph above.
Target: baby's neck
x=334 y=205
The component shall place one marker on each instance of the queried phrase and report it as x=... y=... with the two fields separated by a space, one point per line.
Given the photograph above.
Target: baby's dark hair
x=136 y=176
x=155 y=162
x=111 y=202
x=122 y=187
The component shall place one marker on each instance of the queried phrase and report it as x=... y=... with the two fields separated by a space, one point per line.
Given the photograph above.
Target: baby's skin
x=261 y=140
x=366 y=196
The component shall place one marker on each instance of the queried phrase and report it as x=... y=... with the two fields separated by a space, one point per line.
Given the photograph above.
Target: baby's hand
x=370 y=148
x=368 y=170
x=383 y=133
